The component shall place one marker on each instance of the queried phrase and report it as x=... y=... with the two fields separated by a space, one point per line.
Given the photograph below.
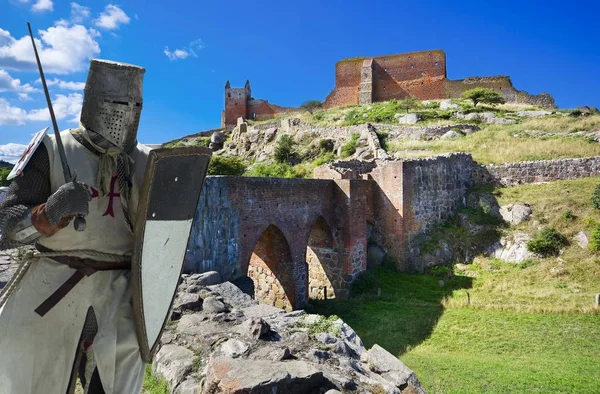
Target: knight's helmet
x=112 y=101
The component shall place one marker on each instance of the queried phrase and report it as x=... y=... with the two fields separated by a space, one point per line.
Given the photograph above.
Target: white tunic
x=37 y=353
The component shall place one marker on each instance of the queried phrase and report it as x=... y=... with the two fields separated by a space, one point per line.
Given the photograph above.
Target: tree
x=311 y=105
x=284 y=151
x=483 y=95
x=3 y=174
x=408 y=103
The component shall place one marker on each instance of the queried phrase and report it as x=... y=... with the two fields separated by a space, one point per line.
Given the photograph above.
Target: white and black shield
x=167 y=206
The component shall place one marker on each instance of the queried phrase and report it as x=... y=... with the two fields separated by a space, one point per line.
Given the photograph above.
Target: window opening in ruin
x=437 y=63
x=229 y=95
x=253 y=115
x=324 y=264
x=412 y=66
x=270 y=268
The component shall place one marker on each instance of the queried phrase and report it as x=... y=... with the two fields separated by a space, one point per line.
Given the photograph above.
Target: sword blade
x=59 y=144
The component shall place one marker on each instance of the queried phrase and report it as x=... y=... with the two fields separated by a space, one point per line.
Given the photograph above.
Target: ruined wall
x=235 y=106
x=510 y=174
x=234 y=212
x=347 y=83
x=501 y=84
x=418 y=74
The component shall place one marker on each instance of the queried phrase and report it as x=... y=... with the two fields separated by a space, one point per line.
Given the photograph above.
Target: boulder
x=581 y=239
x=213 y=305
x=205 y=279
x=447 y=104
x=451 y=134
x=408 y=119
x=234 y=348
x=255 y=328
x=390 y=367
x=515 y=213
x=533 y=114
x=512 y=250
x=233 y=376
x=173 y=363
x=187 y=302
x=484 y=201
x=270 y=134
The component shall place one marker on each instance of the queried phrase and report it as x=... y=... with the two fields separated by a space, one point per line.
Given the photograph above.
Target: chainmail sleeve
x=26 y=191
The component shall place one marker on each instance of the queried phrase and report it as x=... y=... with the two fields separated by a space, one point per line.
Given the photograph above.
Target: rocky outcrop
x=515 y=213
x=236 y=345
x=512 y=249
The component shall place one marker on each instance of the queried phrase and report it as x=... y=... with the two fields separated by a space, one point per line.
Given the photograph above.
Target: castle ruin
x=421 y=75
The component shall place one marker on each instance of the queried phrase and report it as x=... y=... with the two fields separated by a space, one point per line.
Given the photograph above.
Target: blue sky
x=286 y=49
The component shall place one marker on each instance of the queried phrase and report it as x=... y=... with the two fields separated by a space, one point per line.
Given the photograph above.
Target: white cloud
x=24 y=97
x=42 y=5
x=177 y=54
x=10 y=84
x=10 y=115
x=62 y=49
x=79 y=13
x=111 y=18
x=12 y=152
x=184 y=53
x=65 y=85
x=64 y=107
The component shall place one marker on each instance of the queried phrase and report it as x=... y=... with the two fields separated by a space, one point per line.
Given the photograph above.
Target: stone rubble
x=515 y=213
x=246 y=347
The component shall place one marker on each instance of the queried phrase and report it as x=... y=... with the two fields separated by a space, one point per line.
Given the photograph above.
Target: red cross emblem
x=26 y=153
x=111 y=196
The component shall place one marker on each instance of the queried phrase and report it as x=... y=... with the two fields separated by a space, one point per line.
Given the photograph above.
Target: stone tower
x=236 y=104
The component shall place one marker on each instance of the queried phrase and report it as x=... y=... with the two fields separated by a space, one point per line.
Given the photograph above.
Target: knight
x=67 y=313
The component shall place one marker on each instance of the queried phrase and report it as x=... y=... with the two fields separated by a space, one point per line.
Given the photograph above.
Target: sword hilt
x=79 y=223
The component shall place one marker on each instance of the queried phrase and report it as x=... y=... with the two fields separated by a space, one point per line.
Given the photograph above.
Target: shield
x=167 y=206
x=31 y=148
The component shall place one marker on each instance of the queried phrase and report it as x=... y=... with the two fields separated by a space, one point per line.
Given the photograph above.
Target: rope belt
x=83 y=266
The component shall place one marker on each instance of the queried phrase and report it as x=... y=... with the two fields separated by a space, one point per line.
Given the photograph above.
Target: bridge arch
x=324 y=264
x=271 y=269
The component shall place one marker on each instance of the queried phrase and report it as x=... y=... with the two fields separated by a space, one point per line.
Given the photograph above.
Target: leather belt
x=84 y=267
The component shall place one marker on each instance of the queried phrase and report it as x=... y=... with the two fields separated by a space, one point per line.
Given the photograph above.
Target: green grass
x=525 y=329
x=153 y=384
x=497 y=144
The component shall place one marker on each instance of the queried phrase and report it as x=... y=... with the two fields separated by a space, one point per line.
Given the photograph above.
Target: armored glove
x=71 y=199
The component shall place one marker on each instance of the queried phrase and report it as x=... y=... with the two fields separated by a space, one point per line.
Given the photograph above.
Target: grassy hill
x=529 y=328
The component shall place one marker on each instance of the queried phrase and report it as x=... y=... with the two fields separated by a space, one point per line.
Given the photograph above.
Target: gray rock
x=512 y=250
x=255 y=328
x=260 y=376
x=232 y=295
x=451 y=134
x=447 y=104
x=281 y=354
x=205 y=279
x=188 y=302
x=189 y=386
x=533 y=114
x=390 y=367
x=218 y=137
x=234 y=348
x=375 y=256
x=581 y=239
x=333 y=392
x=212 y=305
x=408 y=119
x=326 y=338
x=515 y=213
x=484 y=201
x=270 y=134
x=173 y=362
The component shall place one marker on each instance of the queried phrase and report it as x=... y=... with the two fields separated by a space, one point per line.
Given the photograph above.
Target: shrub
x=222 y=165
x=285 y=149
x=365 y=283
x=3 y=174
x=326 y=158
x=350 y=148
x=483 y=95
x=547 y=242
x=596 y=197
x=276 y=170
x=311 y=105
x=568 y=215
x=202 y=141
x=326 y=145
x=594 y=244
x=440 y=270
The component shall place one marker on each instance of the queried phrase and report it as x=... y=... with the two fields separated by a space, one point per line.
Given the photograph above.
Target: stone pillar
x=365 y=93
